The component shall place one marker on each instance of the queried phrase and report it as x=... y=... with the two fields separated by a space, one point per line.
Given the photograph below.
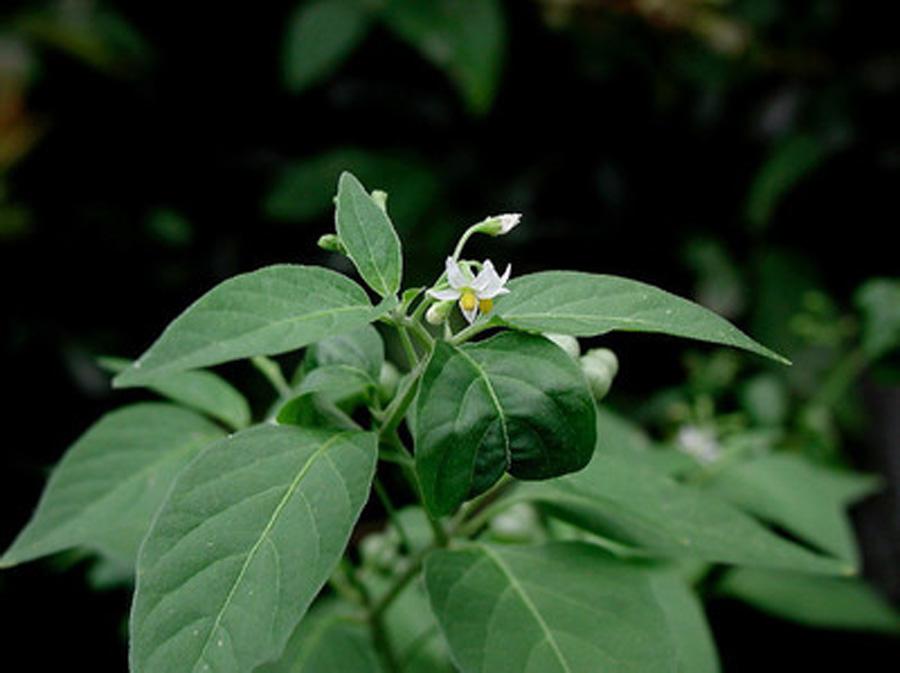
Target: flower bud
x=600 y=366
x=332 y=243
x=437 y=313
x=568 y=343
x=380 y=198
x=499 y=224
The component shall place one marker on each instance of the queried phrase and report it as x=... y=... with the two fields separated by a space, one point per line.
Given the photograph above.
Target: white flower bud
x=437 y=313
x=499 y=224
x=600 y=366
x=568 y=343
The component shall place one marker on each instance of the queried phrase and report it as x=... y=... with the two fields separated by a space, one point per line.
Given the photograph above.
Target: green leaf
x=336 y=382
x=274 y=310
x=248 y=535
x=320 y=35
x=563 y=607
x=304 y=188
x=465 y=38
x=823 y=602
x=879 y=301
x=694 y=645
x=633 y=503
x=807 y=500
x=513 y=402
x=584 y=304
x=369 y=236
x=327 y=641
x=360 y=349
x=197 y=389
x=110 y=483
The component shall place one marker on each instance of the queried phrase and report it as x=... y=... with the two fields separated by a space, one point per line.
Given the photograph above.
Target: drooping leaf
x=514 y=402
x=561 y=607
x=823 y=602
x=327 y=641
x=110 y=483
x=197 y=389
x=634 y=504
x=320 y=35
x=585 y=304
x=248 y=535
x=807 y=500
x=369 y=236
x=465 y=38
x=266 y=312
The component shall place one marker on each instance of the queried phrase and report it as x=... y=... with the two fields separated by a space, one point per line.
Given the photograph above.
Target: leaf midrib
x=526 y=599
x=251 y=555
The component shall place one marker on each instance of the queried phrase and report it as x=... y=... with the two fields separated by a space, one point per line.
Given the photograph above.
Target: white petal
x=495 y=283
x=444 y=295
x=486 y=278
x=470 y=315
x=455 y=275
x=508 y=221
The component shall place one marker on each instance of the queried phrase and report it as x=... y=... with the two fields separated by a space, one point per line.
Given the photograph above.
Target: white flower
x=499 y=224
x=475 y=295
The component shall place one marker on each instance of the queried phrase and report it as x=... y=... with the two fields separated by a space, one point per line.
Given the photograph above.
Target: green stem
x=407 y=576
x=396 y=410
x=270 y=369
x=408 y=348
x=472 y=330
x=467 y=234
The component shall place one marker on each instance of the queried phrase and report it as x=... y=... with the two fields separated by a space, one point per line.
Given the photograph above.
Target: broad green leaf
x=368 y=234
x=823 y=602
x=513 y=402
x=248 y=535
x=327 y=641
x=304 y=188
x=585 y=304
x=879 y=301
x=633 y=503
x=274 y=310
x=360 y=349
x=562 y=607
x=336 y=382
x=695 y=649
x=320 y=35
x=197 y=389
x=807 y=500
x=105 y=491
x=465 y=38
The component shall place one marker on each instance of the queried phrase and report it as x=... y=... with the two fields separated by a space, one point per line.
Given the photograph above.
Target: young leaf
x=110 y=483
x=326 y=641
x=557 y=608
x=466 y=38
x=370 y=239
x=584 y=304
x=320 y=35
x=824 y=602
x=633 y=503
x=805 y=499
x=197 y=389
x=276 y=309
x=248 y=535
x=514 y=402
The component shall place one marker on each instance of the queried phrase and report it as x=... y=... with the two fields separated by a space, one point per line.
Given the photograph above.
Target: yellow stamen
x=467 y=300
x=485 y=305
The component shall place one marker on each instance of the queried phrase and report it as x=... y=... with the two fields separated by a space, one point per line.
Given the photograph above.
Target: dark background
x=137 y=174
